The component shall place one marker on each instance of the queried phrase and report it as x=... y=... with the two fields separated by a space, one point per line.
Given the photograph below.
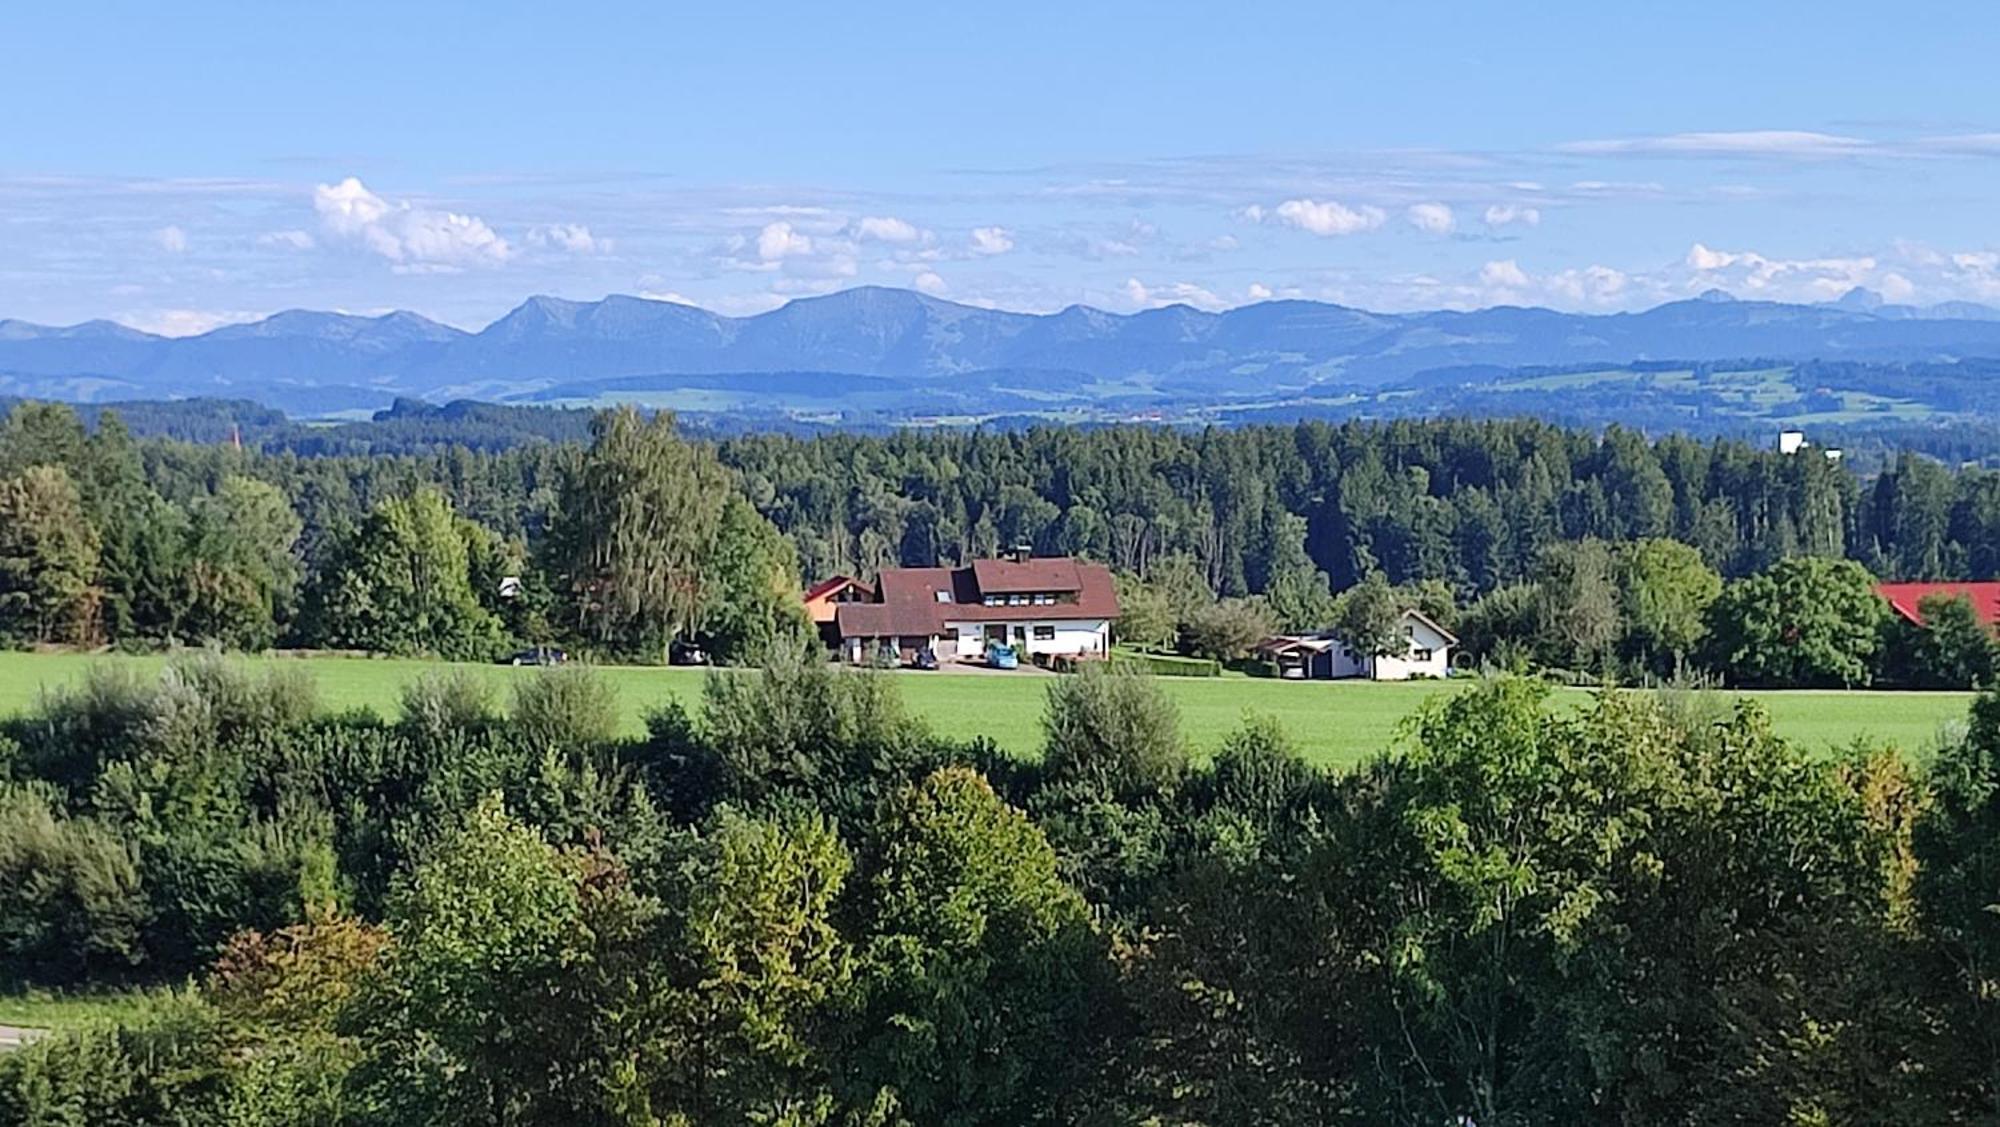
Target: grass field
x=40 y=1009
x=1336 y=723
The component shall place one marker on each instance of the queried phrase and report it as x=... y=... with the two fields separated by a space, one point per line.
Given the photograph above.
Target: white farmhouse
x=1425 y=652
x=1042 y=608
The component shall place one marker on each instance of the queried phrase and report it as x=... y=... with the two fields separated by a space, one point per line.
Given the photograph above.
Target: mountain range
x=890 y=351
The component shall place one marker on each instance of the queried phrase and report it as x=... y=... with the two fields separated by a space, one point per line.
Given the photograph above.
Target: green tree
x=240 y=573
x=1957 y=848
x=1145 y=616
x=402 y=584
x=475 y=1014
x=759 y=972
x=1664 y=590
x=1368 y=617
x=636 y=521
x=1548 y=867
x=1226 y=630
x=979 y=977
x=1952 y=649
x=70 y=898
x=1576 y=604
x=1804 y=622
x=750 y=586
x=1113 y=732
x=48 y=558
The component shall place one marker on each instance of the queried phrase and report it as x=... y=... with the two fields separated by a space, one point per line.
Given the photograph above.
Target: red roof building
x=824 y=598
x=1904 y=597
x=1040 y=607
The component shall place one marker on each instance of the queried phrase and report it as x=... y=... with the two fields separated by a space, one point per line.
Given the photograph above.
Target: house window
x=1045 y=633
x=995 y=600
x=1017 y=600
x=943 y=596
x=1420 y=653
x=1044 y=600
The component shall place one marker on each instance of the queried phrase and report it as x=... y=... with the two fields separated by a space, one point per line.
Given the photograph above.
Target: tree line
x=793 y=903
x=643 y=536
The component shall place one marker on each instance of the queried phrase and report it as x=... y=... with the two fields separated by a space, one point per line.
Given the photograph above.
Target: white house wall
x=1070 y=638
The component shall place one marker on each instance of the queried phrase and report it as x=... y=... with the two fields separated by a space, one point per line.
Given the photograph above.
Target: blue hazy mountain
x=930 y=351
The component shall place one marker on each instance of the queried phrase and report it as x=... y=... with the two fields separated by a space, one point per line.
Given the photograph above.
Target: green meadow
x=1334 y=722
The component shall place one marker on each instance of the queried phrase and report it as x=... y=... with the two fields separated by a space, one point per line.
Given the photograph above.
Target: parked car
x=1002 y=657
x=926 y=659
x=687 y=653
x=538 y=655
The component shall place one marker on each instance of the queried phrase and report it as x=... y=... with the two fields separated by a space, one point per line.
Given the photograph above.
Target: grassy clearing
x=41 y=1009
x=1335 y=722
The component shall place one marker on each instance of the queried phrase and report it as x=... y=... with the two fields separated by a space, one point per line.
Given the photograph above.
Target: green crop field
x=1335 y=723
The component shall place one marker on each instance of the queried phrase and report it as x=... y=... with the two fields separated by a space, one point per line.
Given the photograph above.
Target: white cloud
x=1223 y=243
x=779 y=247
x=289 y=240
x=1260 y=292
x=1142 y=296
x=1504 y=274
x=172 y=239
x=1502 y=214
x=778 y=241
x=1784 y=143
x=992 y=240
x=416 y=239
x=1328 y=218
x=1589 y=286
x=1432 y=218
x=929 y=282
x=888 y=229
x=184 y=322
x=574 y=238
x=1779 y=278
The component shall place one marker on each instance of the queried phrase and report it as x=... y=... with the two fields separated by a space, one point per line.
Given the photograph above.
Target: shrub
x=1165 y=665
x=564 y=708
x=70 y=899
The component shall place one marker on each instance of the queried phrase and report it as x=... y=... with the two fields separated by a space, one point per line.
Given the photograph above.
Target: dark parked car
x=687 y=653
x=926 y=658
x=539 y=655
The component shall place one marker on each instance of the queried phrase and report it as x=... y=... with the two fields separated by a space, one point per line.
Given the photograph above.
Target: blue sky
x=176 y=166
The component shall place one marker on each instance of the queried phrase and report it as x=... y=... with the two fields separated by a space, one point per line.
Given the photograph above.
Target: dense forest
x=792 y=904
x=1559 y=549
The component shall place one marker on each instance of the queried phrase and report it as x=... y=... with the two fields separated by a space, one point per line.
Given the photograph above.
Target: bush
x=1165 y=665
x=566 y=708
x=70 y=900
x=165 y=1068
x=1114 y=733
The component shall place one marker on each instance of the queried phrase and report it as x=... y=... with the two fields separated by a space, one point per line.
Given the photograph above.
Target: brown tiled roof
x=1003 y=577
x=907 y=602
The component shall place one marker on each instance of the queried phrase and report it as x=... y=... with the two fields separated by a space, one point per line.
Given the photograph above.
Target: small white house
x=1426 y=652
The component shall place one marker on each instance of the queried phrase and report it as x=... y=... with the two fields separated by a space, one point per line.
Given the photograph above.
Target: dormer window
x=943 y=596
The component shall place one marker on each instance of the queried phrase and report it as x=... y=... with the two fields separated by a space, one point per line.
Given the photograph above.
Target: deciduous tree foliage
x=1805 y=622
x=48 y=558
x=638 y=516
x=403 y=583
x=784 y=908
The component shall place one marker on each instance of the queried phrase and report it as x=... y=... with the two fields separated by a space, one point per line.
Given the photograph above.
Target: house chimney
x=1020 y=553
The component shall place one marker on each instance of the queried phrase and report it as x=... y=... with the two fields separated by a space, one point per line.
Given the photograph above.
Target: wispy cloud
x=1786 y=143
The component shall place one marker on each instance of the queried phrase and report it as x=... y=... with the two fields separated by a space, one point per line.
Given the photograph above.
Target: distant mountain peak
x=1715 y=295
x=1861 y=299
